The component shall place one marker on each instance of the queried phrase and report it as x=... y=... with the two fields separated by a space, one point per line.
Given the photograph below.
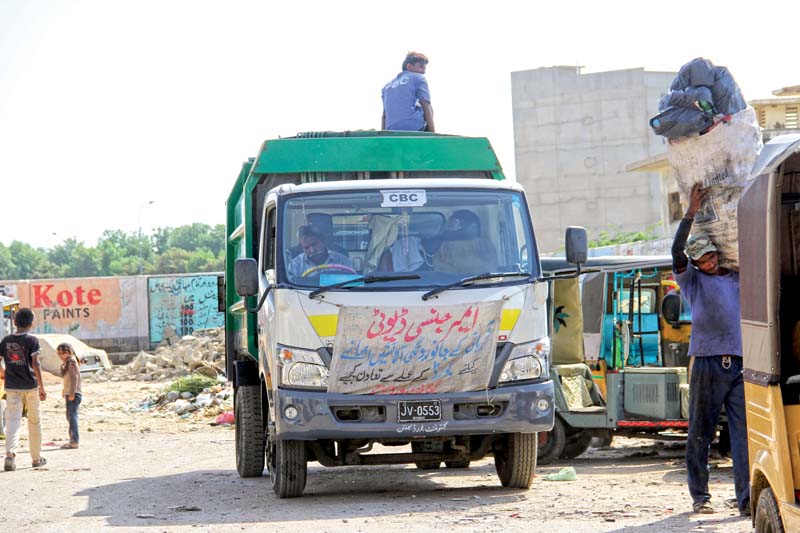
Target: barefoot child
x=72 y=390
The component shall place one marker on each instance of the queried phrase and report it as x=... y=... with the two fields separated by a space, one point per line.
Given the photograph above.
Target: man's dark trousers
x=716 y=381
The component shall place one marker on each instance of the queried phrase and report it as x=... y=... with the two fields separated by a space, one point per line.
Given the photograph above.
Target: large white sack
x=721 y=159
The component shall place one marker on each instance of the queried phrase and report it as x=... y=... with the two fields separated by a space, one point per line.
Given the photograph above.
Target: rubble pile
x=201 y=353
x=211 y=402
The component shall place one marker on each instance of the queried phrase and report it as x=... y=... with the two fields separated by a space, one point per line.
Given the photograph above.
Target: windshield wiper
x=361 y=279
x=470 y=279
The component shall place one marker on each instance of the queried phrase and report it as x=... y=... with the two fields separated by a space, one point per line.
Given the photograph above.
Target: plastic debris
x=565 y=474
x=225 y=419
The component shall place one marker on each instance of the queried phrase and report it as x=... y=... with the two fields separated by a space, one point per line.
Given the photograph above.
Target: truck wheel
x=515 y=462
x=552 y=443
x=576 y=444
x=288 y=467
x=416 y=447
x=464 y=463
x=249 y=431
x=768 y=517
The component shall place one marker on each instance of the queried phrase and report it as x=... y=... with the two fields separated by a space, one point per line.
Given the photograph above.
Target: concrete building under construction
x=575 y=135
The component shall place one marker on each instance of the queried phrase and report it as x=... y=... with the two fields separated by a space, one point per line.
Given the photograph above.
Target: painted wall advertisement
x=88 y=308
x=183 y=303
x=406 y=350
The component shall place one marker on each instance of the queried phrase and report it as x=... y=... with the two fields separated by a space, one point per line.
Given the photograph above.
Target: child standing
x=24 y=388
x=72 y=390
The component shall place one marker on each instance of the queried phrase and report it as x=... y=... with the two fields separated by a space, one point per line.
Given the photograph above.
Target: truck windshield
x=442 y=235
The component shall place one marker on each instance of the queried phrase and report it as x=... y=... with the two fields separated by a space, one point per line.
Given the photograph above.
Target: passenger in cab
x=461 y=248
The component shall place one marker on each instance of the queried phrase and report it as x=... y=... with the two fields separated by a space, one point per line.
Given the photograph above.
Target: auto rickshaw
x=619 y=361
x=769 y=276
x=10 y=306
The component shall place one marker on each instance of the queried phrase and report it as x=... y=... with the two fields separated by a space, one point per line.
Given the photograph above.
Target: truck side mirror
x=245 y=276
x=671 y=308
x=577 y=245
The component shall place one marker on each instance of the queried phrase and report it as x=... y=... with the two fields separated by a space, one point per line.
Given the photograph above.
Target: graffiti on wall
x=184 y=303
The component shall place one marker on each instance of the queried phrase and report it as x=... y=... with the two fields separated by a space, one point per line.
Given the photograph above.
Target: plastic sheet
x=722 y=160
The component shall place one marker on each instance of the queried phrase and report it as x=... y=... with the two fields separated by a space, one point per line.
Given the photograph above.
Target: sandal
x=703 y=508
x=69 y=446
x=41 y=462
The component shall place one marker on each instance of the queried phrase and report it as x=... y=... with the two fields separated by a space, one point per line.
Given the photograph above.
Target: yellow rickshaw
x=10 y=306
x=769 y=251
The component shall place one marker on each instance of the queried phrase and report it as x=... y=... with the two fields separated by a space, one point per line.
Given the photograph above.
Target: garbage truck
x=383 y=305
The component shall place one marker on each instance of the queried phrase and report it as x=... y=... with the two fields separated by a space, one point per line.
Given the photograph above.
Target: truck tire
x=768 y=516
x=249 y=431
x=576 y=444
x=552 y=443
x=463 y=463
x=515 y=462
x=416 y=447
x=288 y=467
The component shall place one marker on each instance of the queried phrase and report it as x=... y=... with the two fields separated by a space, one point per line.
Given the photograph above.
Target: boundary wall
x=121 y=314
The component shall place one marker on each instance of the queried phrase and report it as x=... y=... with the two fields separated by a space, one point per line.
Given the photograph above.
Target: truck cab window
x=268 y=245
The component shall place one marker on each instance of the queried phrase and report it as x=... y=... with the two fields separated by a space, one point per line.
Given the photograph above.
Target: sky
x=120 y=114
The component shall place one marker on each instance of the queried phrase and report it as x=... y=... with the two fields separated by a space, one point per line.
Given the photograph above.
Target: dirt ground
x=139 y=471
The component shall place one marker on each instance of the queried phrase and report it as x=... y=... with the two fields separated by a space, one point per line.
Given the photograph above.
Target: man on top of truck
x=406 y=98
x=715 y=350
x=315 y=253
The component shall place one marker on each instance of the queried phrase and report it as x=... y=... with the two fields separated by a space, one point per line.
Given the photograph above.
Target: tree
x=184 y=249
x=7 y=265
x=31 y=262
x=173 y=261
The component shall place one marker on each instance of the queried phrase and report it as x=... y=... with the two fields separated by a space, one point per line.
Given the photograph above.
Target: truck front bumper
x=315 y=415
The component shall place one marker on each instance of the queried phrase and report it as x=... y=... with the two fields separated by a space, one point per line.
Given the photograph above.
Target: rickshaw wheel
x=552 y=443
x=768 y=517
x=576 y=444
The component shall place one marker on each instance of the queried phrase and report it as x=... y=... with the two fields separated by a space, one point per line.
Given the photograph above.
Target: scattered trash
x=184 y=508
x=565 y=474
x=225 y=419
x=145 y=515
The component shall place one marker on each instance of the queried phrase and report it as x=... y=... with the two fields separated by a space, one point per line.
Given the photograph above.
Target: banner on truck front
x=414 y=350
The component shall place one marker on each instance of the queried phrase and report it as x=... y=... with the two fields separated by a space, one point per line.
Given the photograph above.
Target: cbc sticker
x=397 y=198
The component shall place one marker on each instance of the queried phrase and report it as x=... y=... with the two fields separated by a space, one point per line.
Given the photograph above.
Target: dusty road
x=140 y=472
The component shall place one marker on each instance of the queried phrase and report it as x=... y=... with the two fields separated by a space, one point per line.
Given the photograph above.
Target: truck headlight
x=303 y=368
x=527 y=361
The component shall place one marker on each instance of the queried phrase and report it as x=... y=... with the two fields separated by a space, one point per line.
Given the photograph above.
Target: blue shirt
x=401 y=98
x=301 y=263
x=716 y=329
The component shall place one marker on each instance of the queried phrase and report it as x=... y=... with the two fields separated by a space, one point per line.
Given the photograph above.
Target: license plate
x=419 y=411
